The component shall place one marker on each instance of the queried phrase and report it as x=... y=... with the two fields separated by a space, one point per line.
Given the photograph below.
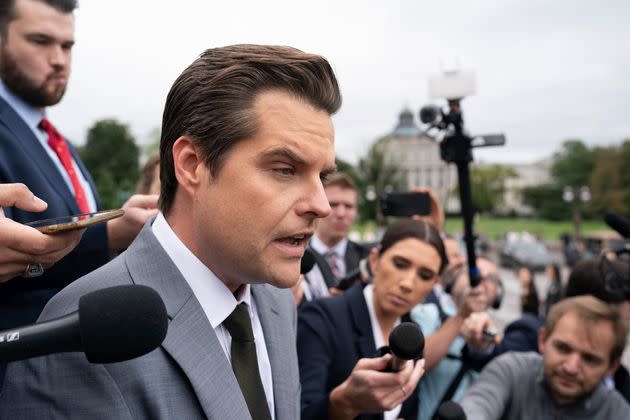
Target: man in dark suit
x=335 y=254
x=247 y=141
x=36 y=39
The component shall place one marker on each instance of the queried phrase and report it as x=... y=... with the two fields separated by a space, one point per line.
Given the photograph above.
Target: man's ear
x=187 y=164
x=541 y=340
x=614 y=366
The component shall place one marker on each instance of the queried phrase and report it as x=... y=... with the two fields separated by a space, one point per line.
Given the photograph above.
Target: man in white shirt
x=247 y=142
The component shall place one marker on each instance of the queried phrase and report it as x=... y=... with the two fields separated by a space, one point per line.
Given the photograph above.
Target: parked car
x=533 y=255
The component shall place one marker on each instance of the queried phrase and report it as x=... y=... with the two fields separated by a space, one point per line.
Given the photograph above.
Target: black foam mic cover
x=618 y=223
x=122 y=322
x=406 y=341
x=307 y=262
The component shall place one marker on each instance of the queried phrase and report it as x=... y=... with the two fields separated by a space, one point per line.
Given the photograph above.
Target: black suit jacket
x=23 y=159
x=333 y=334
x=354 y=253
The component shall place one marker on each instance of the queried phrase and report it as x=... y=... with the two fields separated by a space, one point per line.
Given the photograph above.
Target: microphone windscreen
x=308 y=261
x=450 y=410
x=122 y=322
x=406 y=341
x=618 y=223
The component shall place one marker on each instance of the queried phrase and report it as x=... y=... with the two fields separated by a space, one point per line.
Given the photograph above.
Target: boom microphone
x=618 y=223
x=406 y=342
x=112 y=325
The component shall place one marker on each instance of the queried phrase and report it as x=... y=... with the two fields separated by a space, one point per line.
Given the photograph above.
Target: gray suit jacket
x=188 y=377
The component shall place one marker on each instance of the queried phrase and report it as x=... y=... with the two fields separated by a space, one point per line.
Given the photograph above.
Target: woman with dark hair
x=529 y=295
x=338 y=337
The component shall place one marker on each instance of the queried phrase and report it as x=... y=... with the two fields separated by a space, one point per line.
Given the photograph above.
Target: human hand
x=370 y=390
x=333 y=291
x=436 y=215
x=138 y=209
x=473 y=327
x=21 y=245
x=297 y=290
x=471 y=300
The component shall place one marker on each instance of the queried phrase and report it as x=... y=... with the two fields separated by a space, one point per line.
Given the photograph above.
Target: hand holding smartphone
x=406 y=204
x=74 y=222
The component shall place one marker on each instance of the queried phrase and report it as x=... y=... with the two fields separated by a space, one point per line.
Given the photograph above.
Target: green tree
x=373 y=175
x=572 y=164
x=488 y=186
x=607 y=188
x=111 y=156
x=546 y=200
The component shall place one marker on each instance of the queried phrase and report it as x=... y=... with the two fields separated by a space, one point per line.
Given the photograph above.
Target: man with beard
x=581 y=343
x=36 y=40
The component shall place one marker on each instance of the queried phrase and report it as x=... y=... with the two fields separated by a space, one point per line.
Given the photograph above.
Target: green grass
x=498 y=227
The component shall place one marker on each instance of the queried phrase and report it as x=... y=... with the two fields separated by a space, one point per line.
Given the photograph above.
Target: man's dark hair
x=211 y=102
x=8 y=12
x=416 y=229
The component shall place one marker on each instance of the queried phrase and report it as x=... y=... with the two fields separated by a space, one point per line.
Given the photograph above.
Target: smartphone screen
x=406 y=204
x=73 y=222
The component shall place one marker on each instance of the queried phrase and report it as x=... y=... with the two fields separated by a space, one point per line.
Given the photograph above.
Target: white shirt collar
x=215 y=298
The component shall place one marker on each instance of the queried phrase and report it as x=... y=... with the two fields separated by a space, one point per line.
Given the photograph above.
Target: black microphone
x=406 y=342
x=361 y=273
x=307 y=262
x=619 y=223
x=450 y=410
x=112 y=325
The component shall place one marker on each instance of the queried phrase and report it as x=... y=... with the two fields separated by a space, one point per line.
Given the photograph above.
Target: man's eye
x=562 y=347
x=284 y=171
x=400 y=263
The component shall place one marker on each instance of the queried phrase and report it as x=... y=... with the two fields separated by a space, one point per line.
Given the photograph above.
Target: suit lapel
x=191 y=340
x=361 y=322
x=275 y=340
x=31 y=147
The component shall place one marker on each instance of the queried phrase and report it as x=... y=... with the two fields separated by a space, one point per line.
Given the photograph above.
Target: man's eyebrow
x=283 y=152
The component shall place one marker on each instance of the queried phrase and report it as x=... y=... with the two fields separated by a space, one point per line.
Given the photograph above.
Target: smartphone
x=406 y=204
x=77 y=221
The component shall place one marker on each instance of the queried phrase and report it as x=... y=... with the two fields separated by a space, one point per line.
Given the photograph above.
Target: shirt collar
x=215 y=298
x=31 y=115
x=340 y=248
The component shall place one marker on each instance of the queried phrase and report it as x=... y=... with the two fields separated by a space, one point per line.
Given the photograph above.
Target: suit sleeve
x=489 y=396
x=61 y=386
x=315 y=352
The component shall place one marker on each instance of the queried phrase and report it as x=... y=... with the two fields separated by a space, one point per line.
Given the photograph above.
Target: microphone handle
x=55 y=336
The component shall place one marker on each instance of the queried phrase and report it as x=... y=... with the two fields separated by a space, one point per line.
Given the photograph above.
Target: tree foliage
x=488 y=186
x=111 y=156
x=572 y=164
x=547 y=200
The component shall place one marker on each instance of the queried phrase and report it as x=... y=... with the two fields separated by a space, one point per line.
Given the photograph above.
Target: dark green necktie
x=245 y=363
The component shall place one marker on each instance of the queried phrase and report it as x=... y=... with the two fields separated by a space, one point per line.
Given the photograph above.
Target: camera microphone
x=450 y=410
x=307 y=262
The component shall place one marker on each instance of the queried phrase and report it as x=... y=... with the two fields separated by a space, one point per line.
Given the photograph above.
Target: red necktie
x=58 y=144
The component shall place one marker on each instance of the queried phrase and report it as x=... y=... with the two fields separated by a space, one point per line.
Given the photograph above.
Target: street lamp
x=575 y=197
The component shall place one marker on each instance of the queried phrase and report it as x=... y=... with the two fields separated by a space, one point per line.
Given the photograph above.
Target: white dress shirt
x=216 y=300
x=379 y=340
x=339 y=249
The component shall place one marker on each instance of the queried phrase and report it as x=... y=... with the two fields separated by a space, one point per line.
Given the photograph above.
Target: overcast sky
x=546 y=70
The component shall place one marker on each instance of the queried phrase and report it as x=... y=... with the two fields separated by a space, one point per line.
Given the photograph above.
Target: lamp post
x=575 y=197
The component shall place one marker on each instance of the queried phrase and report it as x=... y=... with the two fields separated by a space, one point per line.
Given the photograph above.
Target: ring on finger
x=33 y=269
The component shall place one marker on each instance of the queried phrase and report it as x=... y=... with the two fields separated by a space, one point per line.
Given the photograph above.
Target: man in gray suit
x=247 y=142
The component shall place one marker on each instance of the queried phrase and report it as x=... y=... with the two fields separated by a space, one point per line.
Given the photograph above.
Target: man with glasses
x=447 y=375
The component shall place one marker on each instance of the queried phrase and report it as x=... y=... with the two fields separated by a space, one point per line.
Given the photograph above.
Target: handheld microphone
x=618 y=223
x=450 y=410
x=406 y=342
x=112 y=325
x=307 y=262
